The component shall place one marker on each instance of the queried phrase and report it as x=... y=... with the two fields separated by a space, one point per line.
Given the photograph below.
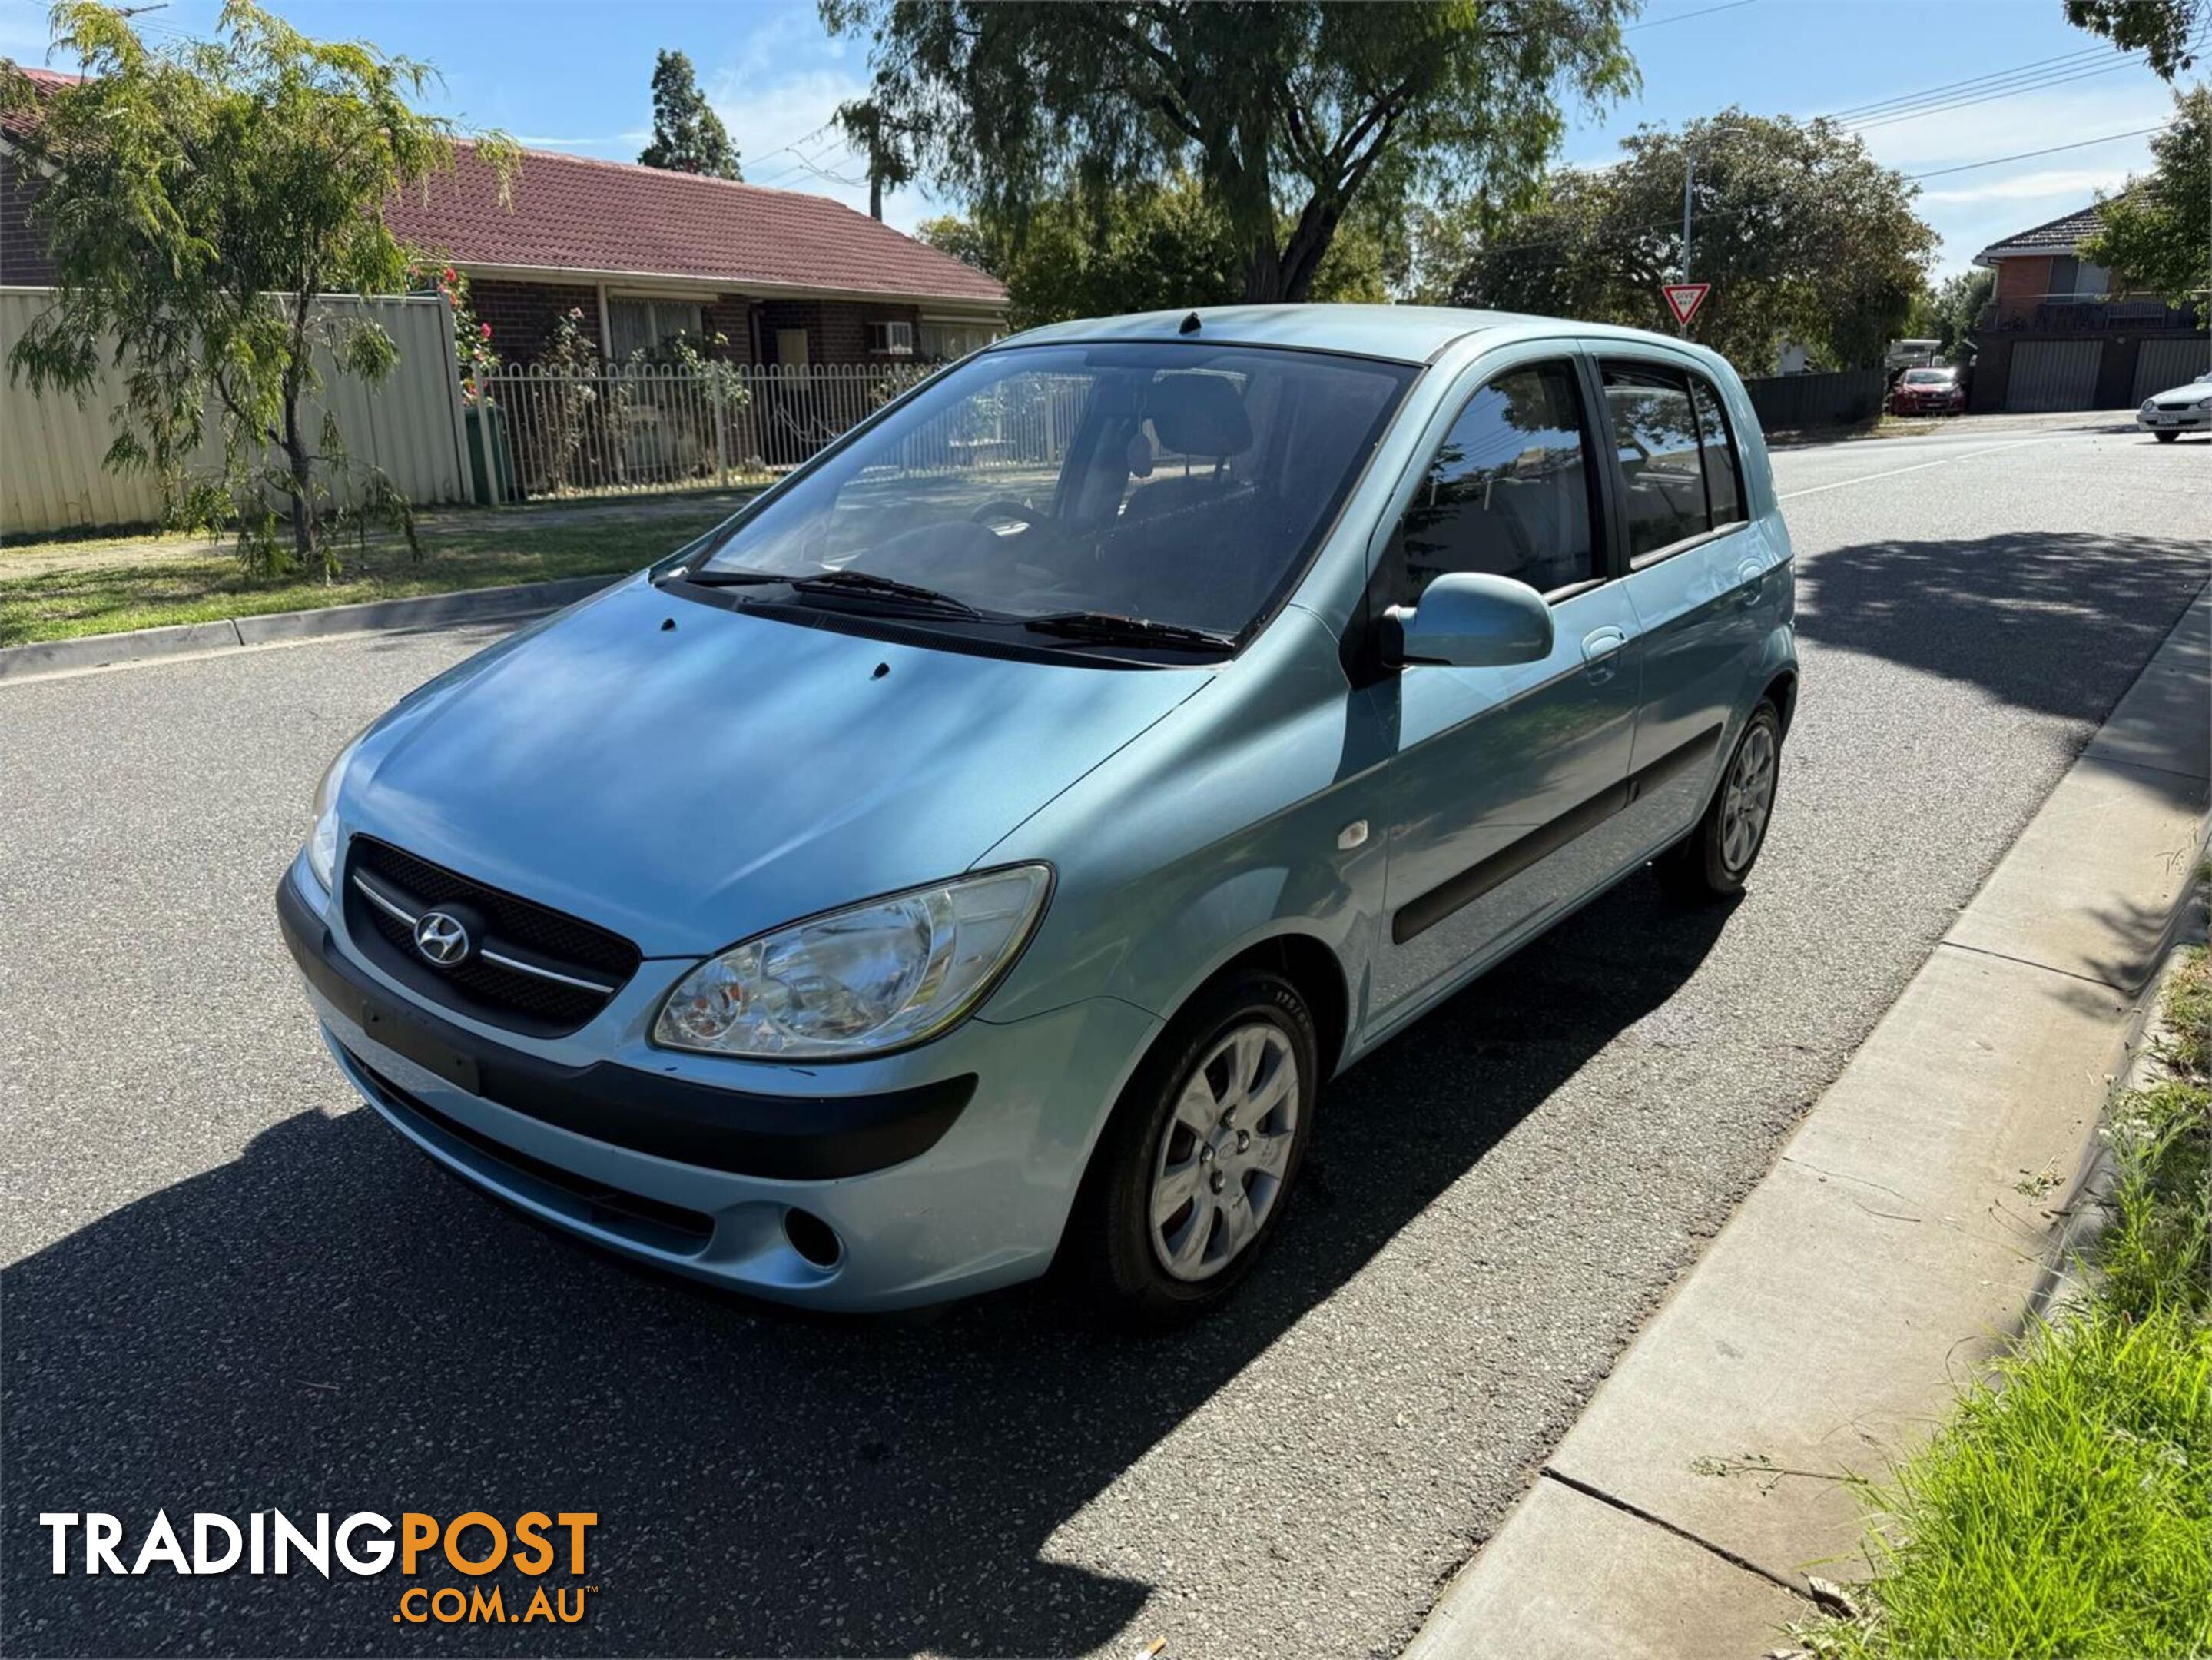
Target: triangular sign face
x=1683 y=299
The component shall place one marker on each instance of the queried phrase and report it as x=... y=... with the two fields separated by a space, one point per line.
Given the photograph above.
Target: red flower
x=447 y=274
x=483 y=331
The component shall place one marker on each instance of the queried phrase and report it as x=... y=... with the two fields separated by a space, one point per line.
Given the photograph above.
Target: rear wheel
x=1712 y=861
x=1188 y=1182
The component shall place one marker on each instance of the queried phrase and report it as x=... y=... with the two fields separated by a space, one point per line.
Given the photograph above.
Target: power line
x=2040 y=85
x=1881 y=105
x=1684 y=16
x=2022 y=155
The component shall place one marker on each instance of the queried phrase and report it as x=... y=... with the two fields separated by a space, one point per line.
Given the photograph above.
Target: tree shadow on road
x=325 y=1324
x=2060 y=624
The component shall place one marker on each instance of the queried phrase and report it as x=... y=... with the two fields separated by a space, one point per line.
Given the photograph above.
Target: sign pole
x=1689 y=174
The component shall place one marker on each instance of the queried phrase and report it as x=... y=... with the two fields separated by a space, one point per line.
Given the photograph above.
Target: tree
x=1153 y=249
x=1948 y=313
x=204 y=200
x=688 y=137
x=1287 y=114
x=866 y=128
x=2168 y=31
x=2158 y=232
x=1800 y=234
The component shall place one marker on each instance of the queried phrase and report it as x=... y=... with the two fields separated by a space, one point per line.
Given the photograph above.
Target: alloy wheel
x=1748 y=797
x=1224 y=1152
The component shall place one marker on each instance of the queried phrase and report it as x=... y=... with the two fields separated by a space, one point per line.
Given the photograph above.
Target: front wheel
x=1712 y=861
x=1188 y=1182
x=2166 y=437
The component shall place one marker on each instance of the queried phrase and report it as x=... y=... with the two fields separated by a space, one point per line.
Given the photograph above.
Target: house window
x=642 y=324
x=896 y=338
x=947 y=342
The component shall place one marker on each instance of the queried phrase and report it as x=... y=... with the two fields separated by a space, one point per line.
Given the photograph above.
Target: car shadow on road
x=2057 y=622
x=324 y=1324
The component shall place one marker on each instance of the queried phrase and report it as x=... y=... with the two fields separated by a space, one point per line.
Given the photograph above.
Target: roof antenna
x=1189 y=325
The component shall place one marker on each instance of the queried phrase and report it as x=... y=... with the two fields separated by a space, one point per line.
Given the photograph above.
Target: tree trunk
x=297 y=460
x=1263 y=274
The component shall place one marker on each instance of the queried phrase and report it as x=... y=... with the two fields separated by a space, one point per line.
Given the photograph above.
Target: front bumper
x=2194 y=417
x=941 y=1172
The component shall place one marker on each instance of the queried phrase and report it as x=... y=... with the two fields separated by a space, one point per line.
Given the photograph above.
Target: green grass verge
x=2066 y=1509
x=100 y=592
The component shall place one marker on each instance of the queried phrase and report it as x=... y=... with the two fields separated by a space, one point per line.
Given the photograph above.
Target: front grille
x=651 y=1221
x=519 y=929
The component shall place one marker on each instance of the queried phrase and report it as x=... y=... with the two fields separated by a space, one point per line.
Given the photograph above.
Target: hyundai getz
x=977 y=854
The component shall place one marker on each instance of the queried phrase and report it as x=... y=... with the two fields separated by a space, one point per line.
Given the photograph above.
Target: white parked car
x=2167 y=414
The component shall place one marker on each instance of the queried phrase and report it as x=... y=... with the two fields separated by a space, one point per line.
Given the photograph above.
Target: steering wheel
x=1005 y=506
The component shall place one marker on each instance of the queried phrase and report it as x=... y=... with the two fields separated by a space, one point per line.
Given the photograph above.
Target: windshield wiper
x=867 y=582
x=1103 y=628
x=733 y=578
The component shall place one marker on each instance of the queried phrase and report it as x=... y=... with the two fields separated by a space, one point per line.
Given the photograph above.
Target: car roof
x=1409 y=334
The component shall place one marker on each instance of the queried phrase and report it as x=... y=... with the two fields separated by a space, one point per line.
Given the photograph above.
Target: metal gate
x=2054 y=375
x=2162 y=365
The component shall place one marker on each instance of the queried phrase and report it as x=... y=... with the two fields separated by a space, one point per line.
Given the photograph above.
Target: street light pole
x=1689 y=180
x=1689 y=176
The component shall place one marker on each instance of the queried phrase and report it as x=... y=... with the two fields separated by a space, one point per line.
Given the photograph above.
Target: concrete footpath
x=1908 y=1224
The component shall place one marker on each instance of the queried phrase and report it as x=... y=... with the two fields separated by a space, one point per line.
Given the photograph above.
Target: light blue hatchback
x=977 y=852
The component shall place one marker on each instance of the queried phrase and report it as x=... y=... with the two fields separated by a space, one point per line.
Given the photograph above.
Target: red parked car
x=1928 y=392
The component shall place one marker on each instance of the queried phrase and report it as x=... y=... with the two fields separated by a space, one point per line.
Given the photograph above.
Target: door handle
x=1599 y=645
x=1750 y=575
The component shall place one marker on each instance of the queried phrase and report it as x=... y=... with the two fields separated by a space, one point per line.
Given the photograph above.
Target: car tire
x=2166 y=437
x=1181 y=1198
x=1714 y=859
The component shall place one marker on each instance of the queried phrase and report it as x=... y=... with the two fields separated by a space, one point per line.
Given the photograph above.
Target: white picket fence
x=52 y=476
x=623 y=430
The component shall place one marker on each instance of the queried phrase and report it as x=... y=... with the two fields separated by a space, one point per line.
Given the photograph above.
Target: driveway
x=229 y=1287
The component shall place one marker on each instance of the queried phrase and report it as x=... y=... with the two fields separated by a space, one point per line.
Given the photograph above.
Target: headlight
x=876 y=976
x=2149 y=404
x=323 y=842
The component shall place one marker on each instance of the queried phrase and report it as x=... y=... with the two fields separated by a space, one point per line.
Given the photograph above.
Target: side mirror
x=1472 y=620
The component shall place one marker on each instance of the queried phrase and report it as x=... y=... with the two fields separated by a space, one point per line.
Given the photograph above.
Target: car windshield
x=1929 y=378
x=1176 y=482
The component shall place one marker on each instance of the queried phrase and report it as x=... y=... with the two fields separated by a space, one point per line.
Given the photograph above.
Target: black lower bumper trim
x=784 y=1137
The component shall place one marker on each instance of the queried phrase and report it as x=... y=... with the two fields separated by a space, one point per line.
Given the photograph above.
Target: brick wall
x=2022 y=284
x=23 y=259
x=522 y=314
x=730 y=315
x=836 y=330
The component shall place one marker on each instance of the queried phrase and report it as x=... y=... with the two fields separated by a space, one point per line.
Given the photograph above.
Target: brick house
x=2061 y=333
x=23 y=257
x=785 y=278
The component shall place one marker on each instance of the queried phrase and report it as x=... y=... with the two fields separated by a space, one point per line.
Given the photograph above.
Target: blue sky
x=573 y=75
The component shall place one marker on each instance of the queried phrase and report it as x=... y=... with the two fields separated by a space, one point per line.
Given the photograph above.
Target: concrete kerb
x=1891 y=1250
x=193 y=639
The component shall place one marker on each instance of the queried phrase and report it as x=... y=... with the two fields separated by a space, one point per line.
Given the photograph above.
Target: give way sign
x=1683 y=299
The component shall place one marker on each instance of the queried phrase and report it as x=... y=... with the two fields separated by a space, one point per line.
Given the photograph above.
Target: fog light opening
x=813 y=1238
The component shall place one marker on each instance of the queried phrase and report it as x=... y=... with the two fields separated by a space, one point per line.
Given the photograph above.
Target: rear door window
x=1723 y=482
x=1508 y=491
x=1678 y=464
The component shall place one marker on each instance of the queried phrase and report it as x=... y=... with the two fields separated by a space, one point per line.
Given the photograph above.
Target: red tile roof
x=42 y=81
x=571 y=214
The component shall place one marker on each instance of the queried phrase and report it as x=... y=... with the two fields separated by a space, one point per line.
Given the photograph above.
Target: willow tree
x=1286 y=112
x=203 y=201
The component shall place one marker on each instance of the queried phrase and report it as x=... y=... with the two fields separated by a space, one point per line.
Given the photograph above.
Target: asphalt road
x=229 y=1287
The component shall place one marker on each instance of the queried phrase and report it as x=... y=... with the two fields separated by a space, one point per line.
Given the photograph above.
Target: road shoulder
x=1907 y=1224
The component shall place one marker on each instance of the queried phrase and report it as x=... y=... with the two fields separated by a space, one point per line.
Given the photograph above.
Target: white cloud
x=2049 y=185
